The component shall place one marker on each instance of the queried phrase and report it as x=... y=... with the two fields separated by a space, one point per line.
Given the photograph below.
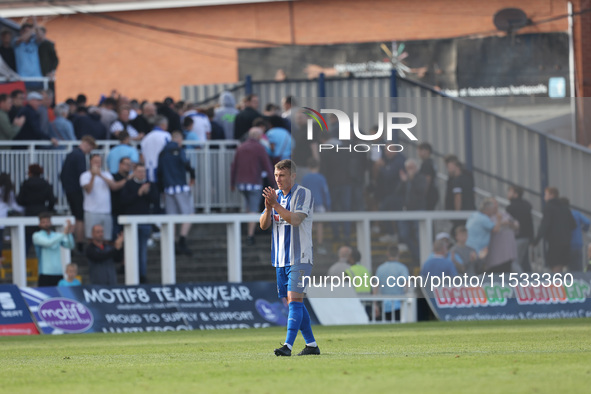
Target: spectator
x=124 y=172
x=502 y=249
x=88 y=122
x=97 y=185
x=271 y=110
x=124 y=149
x=173 y=167
x=71 y=108
x=520 y=209
x=316 y=183
x=26 y=51
x=244 y=119
x=250 y=164
x=556 y=228
x=387 y=177
x=32 y=128
x=145 y=122
x=18 y=100
x=359 y=270
x=35 y=196
x=8 y=129
x=575 y=263
x=81 y=100
x=412 y=191
x=47 y=246
x=480 y=226
x=61 y=126
x=7 y=203
x=73 y=167
x=71 y=274
x=279 y=140
x=122 y=124
x=217 y=131
x=438 y=265
x=152 y=145
x=46 y=114
x=6 y=49
x=342 y=265
x=107 y=110
x=167 y=110
x=430 y=173
x=188 y=133
x=287 y=103
x=201 y=123
x=101 y=257
x=137 y=196
x=226 y=113
x=464 y=257
x=48 y=59
x=391 y=268
x=459 y=194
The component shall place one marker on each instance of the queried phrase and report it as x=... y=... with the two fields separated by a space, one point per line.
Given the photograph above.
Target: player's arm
x=266 y=219
x=293 y=218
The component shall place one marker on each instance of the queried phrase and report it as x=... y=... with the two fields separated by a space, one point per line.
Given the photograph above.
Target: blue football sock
x=306 y=327
x=294 y=320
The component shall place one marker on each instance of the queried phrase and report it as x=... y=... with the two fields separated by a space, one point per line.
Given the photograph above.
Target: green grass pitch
x=548 y=356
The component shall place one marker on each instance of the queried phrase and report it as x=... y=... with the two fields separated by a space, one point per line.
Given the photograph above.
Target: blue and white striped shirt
x=293 y=245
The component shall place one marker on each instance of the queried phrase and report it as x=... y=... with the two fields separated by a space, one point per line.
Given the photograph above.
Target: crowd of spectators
x=148 y=172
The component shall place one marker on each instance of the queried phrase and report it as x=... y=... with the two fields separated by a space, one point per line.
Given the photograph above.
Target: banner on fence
x=208 y=306
x=514 y=300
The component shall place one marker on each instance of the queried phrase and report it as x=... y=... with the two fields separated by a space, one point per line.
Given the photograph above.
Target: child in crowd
x=71 y=273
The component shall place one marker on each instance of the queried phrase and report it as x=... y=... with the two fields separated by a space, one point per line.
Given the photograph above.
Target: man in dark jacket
x=88 y=122
x=74 y=165
x=244 y=119
x=137 y=197
x=556 y=229
x=520 y=209
x=32 y=129
x=412 y=190
x=102 y=257
x=173 y=167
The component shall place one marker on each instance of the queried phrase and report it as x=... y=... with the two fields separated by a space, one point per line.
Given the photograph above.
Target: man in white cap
x=31 y=129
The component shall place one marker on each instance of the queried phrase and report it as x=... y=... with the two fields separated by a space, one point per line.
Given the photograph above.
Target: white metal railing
x=234 y=242
x=212 y=161
x=17 y=238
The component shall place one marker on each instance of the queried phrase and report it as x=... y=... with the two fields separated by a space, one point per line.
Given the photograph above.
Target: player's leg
x=296 y=297
x=282 y=284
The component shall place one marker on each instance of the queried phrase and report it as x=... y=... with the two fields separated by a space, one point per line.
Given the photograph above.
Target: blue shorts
x=290 y=278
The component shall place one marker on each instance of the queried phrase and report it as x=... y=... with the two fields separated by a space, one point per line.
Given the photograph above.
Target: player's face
x=285 y=179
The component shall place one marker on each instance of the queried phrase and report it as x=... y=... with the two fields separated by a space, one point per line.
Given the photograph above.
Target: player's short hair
x=287 y=164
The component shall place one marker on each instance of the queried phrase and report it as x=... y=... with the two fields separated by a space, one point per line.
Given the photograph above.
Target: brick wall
x=97 y=55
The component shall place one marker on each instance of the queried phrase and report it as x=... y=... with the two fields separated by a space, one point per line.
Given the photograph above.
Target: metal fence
x=212 y=162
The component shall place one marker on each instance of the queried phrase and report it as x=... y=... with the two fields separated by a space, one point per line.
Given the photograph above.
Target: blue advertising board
x=15 y=317
x=207 y=306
